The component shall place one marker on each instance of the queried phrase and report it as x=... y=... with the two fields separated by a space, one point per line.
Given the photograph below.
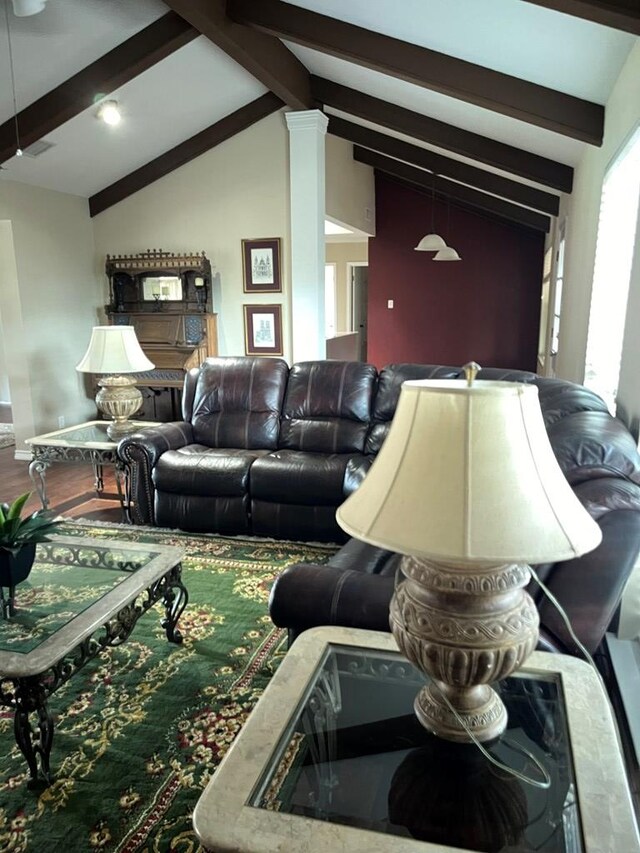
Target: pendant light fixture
x=431 y=242
x=13 y=81
x=448 y=253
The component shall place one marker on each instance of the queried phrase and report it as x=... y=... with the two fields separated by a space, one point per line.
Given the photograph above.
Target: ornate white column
x=307 y=131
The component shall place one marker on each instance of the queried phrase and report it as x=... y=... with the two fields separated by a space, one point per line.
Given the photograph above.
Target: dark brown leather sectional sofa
x=269 y=450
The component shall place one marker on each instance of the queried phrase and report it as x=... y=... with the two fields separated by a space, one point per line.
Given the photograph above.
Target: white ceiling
x=539 y=45
x=197 y=85
x=167 y=104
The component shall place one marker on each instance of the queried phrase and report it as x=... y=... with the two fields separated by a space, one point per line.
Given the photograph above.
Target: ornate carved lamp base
x=465 y=627
x=119 y=398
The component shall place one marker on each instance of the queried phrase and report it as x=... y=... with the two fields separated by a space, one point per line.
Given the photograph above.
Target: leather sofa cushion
x=358 y=556
x=327 y=406
x=293 y=521
x=388 y=392
x=205 y=471
x=593 y=444
x=559 y=398
x=295 y=477
x=236 y=402
x=501 y=374
x=226 y=515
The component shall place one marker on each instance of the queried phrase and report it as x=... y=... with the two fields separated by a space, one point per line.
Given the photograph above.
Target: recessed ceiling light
x=109 y=112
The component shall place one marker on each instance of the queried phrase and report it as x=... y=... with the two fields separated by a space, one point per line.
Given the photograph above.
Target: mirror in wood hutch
x=166 y=297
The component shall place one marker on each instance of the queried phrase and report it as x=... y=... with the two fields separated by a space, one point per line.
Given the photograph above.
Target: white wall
x=350 y=187
x=49 y=299
x=582 y=210
x=5 y=392
x=341 y=254
x=240 y=189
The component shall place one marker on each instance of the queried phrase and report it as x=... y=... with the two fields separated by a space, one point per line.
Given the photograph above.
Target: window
x=557 y=296
x=612 y=271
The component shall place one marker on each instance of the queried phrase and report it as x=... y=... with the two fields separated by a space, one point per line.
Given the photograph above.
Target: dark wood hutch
x=166 y=297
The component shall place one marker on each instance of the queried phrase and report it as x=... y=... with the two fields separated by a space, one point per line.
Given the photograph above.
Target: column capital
x=307 y=120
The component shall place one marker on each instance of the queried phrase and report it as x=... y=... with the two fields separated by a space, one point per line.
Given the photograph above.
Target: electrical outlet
x=389 y=303
x=61 y=421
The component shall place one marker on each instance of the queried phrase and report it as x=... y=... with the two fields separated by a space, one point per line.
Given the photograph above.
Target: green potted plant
x=18 y=539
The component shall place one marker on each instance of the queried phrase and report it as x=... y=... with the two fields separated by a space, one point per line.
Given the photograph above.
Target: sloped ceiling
x=175 y=85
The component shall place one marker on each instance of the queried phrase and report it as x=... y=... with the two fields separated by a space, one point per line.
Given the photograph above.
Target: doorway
x=358 y=288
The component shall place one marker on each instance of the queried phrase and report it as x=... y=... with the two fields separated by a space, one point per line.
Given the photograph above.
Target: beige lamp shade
x=114 y=349
x=467 y=474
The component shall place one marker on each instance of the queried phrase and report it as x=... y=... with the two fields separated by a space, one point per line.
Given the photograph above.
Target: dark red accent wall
x=485 y=307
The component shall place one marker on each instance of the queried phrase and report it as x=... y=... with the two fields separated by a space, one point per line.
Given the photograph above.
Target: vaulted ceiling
x=488 y=102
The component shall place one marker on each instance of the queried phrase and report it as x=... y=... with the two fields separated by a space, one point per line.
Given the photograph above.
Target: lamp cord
x=544 y=783
x=13 y=79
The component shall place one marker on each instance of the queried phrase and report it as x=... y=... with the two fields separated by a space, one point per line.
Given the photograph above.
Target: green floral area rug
x=140 y=729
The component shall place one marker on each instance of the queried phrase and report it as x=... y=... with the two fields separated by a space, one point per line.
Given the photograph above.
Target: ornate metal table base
x=45 y=455
x=27 y=696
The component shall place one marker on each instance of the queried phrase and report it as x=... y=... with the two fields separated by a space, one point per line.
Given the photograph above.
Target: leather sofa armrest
x=590 y=587
x=156 y=440
x=307 y=595
x=140 y=452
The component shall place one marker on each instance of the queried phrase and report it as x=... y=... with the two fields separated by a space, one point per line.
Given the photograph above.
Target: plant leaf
x=16 y=507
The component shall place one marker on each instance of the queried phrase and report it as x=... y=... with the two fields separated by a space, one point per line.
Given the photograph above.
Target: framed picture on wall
x=263 y=329
x=261 y=265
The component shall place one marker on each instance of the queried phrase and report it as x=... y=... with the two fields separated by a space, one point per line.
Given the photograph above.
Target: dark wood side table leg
x=36 y=747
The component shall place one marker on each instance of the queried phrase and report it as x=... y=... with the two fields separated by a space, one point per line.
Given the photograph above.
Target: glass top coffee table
x=81 y=596
x=333 y=758
x=87 y=442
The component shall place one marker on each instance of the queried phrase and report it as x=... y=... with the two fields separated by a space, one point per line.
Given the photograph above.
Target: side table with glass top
x=333 y=758
x=85 y=443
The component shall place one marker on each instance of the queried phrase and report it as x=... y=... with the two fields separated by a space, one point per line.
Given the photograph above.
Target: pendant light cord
x=13 y=79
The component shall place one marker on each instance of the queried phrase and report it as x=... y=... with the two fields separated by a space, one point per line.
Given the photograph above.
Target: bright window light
x=612 y=271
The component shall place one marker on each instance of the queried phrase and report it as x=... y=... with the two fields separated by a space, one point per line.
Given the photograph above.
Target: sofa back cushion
x=588 y=445
x=236 y=402
x=559 y=398
x=388 y=393
x=327 y=406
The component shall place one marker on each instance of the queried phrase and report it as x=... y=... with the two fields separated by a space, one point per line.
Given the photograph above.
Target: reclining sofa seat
x=599 y=458
x=296 y=489
x=194 y=474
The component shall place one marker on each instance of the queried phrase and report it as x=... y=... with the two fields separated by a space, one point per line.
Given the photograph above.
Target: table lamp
x=467 y=487
x=115 y=350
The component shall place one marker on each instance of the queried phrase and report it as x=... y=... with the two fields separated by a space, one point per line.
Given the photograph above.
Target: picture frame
x=263 y=329
x=261 y=266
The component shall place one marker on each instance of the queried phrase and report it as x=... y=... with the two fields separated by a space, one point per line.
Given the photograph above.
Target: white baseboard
x=22 y=455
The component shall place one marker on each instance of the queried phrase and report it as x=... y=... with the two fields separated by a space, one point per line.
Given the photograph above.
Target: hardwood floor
x=70 y=488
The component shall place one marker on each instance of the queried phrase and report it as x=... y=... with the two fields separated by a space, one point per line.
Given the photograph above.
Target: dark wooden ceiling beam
x=543 y=171
x=619 y=15
x=454 y=77
x=103 y=76
x=459 y=192
x=262 y=55
x=186 y=151
x=436 y=163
